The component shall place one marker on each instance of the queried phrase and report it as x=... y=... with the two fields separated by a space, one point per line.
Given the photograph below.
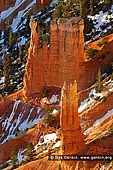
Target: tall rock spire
x=72 y=136
x=29 y=85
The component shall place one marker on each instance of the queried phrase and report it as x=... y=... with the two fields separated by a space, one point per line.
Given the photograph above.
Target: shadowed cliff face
x=9 y=3
x=17 y=118
x=6 y=4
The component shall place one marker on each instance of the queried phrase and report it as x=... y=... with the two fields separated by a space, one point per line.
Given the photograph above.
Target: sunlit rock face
x=72 y=136
x=63 y=60
x=51 y=66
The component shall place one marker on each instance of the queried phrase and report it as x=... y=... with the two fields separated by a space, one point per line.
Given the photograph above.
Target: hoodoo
x=45 y=65
x=72 y=136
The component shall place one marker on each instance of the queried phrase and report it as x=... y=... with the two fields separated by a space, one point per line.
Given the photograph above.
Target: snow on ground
x=54 y=1
x=95 y=97
x=7 y=12
x=2 y=79
x=90 y=101
x=8 y=120
x=48 y=138
x=53 y=99
x=103 y=118
x=23 y=40
x=102 y=168
x=100 y=20
x=48 y=20
x=17 y=19
x=46 y=142
x=57 y=145
x=11 y=124
x=54 y=111
x=28 y=124
x=98 y=121
x=20 y=155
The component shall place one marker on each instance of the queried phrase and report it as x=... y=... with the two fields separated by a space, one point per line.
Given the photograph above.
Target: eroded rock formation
x=64 y=59
x=72 y=136
x=31 y=80
x=52 y=66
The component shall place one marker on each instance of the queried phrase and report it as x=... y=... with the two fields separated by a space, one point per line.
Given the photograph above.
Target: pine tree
x=91 y=7
x=13 y=157
x=112 y=71
x=58 y=9
x=99 y=85
x=59 y=166
x=6 y=34
x=72 y=8
x=25 y=51
x=108 y=1
x=81 y=13
x=6 y=72
x=66 y=9
x=20 y=50
x=85 y=8
x=30 y=151
x=48 y=117
x=11 y=40
x=20 y=54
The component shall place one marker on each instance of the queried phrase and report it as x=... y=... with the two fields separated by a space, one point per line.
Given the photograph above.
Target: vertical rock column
x=53 y=65
x=66 y=50
x=38 y=4
x=72 y=136
x=31 y=71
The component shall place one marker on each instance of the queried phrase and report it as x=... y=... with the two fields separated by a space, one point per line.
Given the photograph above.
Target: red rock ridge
x=32 y=135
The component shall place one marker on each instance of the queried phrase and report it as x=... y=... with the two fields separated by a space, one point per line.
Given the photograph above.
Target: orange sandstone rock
x=64 y=60
x=72 y=136
x=52 y=66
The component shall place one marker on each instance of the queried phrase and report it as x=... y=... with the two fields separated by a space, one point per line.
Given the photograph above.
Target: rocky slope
x=21 y=141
